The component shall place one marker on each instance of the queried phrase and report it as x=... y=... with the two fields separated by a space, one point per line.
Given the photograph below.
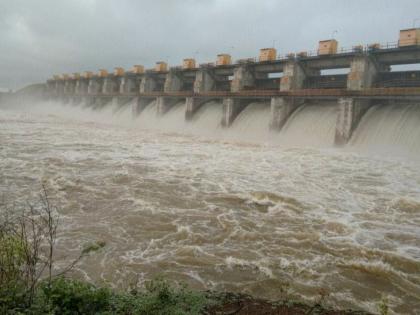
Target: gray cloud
x=42 y=38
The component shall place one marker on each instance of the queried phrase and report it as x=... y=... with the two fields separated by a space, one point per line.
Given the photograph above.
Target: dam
x=285 y=82
x=224 y=176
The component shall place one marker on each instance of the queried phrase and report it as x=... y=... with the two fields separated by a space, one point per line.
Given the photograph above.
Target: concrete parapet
x=231 y=109
x=349 y=115
x=281 y=109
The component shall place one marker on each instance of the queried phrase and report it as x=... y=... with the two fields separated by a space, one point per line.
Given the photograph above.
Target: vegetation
x=31 y=284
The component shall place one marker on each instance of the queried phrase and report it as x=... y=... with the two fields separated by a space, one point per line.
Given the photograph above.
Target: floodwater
x=243 y=209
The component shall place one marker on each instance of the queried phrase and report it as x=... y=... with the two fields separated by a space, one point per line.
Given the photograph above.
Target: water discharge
x=205 y=122
x=252 y=124
x=390 y=128
x=311 y=125
x=240 y=209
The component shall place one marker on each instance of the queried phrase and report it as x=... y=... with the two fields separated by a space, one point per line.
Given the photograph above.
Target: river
x=243 y=209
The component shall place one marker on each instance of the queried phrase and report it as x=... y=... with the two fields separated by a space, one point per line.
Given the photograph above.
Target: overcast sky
x=39 y=38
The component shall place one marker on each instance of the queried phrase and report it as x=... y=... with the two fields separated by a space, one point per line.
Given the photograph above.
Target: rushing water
x=230 y=209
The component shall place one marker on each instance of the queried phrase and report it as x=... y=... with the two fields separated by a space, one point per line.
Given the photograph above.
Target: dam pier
x=362 y=76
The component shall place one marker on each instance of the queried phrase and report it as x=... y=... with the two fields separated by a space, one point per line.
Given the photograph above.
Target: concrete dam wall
x=384 y=127
x=282 y=97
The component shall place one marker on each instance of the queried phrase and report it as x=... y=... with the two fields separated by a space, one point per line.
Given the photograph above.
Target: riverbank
x=240 y=304
x=158 y=297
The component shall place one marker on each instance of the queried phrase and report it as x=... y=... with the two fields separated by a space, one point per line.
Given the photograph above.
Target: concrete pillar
x=69 y=87
x=81 y=87
x=204 y=81
x=147 y=84
x=281 y=109
x=59 y=88
x=363 y=72
x=173 y=82
x=110 y=85
x=128 y=85
x=349 y=115
x=294 y=75
x=231 y=109
x=94 y=86
x=242 y=78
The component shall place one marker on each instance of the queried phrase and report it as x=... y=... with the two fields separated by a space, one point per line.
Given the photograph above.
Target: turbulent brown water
x=242 y=209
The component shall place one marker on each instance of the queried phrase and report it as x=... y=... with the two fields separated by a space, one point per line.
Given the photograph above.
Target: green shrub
x=65 y=296
x=383 y=306
x=13 y=291
x=160 y=298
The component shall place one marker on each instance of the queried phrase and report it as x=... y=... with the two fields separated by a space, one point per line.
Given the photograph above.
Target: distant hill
x=28 y=93
x=33 y=89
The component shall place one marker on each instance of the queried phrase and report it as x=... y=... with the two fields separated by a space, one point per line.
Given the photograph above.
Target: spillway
x=311 y=125
x=389 y=128
x=208 y=119
x=205 y=122
x=252 y=124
